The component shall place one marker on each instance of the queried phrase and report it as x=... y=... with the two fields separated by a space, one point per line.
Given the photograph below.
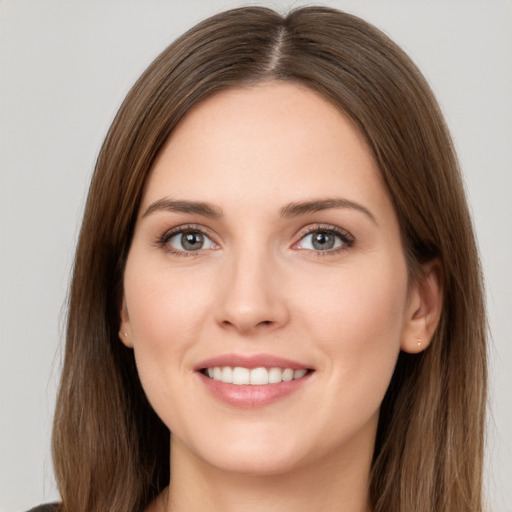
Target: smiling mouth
x=261 y=376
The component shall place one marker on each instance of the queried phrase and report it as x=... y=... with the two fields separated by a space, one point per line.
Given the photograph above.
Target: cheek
x=166 y=313
x=358 y=321
x=364 y=306
x=165 y=308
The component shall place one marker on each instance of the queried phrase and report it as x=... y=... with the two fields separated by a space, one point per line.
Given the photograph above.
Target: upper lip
x=250 y=361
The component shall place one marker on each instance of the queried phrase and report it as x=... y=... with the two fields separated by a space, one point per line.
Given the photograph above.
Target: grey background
x=65 y=67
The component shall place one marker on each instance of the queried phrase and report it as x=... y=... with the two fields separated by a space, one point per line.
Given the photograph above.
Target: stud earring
x=419 y=342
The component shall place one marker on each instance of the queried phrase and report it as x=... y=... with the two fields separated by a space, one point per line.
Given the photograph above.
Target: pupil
x=192 y=241
x=323 y=241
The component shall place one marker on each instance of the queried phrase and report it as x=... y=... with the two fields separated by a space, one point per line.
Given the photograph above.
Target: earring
x=124 y=333
x=419 y=342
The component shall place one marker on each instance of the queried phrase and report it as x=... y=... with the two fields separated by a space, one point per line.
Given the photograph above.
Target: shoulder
x=49 y=507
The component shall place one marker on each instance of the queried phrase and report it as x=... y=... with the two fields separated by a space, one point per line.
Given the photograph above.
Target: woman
x=277 y=265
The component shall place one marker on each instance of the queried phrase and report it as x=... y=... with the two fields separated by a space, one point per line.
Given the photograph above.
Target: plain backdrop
x=65 y=67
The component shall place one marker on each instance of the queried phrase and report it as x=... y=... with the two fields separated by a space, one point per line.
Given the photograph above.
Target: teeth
x=287 y=375
x=256 y=377
x=240 y=375
x=275 y=375
x=259 y=376
x=298 y=374
x=227 y=374
x=217 y=373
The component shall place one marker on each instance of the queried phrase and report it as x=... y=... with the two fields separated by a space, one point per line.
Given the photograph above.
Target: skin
x=259 y=286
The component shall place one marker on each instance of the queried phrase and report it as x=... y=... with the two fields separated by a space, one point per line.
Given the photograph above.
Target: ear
x=424 y=309
x=125 y=332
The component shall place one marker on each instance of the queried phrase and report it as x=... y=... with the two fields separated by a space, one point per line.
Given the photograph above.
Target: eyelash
x=347 y=240
x=163 y=241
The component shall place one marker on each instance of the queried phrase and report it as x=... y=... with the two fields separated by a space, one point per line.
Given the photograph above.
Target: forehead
x=276 y=139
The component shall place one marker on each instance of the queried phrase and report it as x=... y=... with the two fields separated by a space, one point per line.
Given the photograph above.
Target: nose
x=252 y=296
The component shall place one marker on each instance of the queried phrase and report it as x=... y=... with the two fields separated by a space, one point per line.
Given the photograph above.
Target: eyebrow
x=197 y=207
x=294 y=209
x=305 y=207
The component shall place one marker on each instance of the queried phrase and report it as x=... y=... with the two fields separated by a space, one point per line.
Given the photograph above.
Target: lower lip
x=249 y=396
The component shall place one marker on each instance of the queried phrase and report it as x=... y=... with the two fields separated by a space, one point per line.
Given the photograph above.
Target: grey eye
x=190 y=241
x=323 y=241
x=320 y=241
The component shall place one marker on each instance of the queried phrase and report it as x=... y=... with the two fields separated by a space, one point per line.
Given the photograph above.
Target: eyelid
x=163 y=240
x=346 y=237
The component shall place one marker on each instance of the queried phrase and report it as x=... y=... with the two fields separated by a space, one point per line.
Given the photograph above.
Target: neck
x=333 y=483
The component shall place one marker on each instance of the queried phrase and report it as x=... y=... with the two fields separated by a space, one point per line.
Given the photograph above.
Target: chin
x=255 y=465
x=250 y=455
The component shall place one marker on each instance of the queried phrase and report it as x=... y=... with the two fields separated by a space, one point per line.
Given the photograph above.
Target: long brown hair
x=111 y=451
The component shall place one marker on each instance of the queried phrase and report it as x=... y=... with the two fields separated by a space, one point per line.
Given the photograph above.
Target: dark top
x=49 y=507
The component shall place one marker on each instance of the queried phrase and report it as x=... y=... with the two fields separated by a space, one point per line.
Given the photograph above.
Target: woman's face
x=266 y=249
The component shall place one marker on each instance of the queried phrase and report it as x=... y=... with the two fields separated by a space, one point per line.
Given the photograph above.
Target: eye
x=325 y=239
x=189 y=240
